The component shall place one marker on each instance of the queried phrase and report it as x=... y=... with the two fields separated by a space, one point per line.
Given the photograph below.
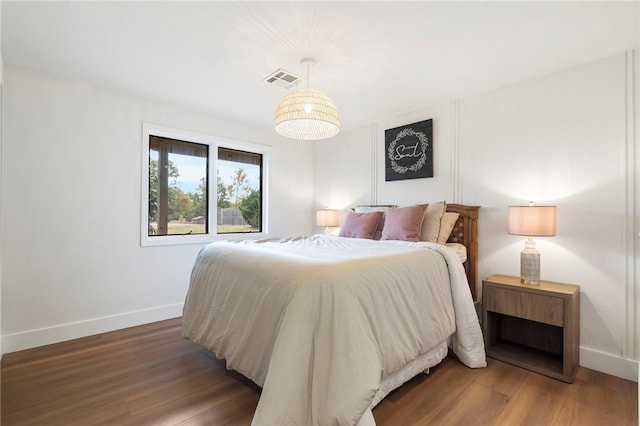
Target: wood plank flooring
x=150 y=375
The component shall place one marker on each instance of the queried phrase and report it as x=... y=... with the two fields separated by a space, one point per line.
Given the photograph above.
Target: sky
x=192 y=169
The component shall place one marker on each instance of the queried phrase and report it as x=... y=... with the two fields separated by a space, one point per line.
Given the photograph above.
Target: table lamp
x=327 y=218
x=532 y=221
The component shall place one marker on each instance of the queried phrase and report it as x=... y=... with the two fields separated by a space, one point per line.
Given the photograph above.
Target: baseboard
x=609 y=364
x=60 y=333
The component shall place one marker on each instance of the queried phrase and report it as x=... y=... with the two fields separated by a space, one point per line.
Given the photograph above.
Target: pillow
x=431 y=223
x=447 y=223
x=360 y=225
x=403 y=223
x=368 y=209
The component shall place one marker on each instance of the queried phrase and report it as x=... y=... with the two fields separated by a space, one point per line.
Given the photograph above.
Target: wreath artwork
x=409 y=151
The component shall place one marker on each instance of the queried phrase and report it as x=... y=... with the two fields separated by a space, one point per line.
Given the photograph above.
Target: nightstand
x=536 y=327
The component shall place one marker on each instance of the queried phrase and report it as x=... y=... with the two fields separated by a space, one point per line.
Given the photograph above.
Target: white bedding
x=459 y=249
x=320 y=322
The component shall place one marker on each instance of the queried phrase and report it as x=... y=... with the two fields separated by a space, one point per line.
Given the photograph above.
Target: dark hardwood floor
x=149 y=375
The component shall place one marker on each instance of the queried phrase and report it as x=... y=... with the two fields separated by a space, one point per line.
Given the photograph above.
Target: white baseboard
x=60 y=333
x=609 y=364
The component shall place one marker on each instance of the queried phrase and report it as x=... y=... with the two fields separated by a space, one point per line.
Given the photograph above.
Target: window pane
x=177 y=187
x=239 y=191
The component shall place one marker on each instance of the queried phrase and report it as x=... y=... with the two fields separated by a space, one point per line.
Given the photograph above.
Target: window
x=239 y=191
x=181 y=205
x=178 y=187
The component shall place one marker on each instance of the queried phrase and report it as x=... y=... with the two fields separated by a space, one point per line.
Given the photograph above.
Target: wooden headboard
x=465 y=232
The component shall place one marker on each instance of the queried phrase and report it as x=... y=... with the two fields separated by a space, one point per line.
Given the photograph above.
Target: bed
x=329 y=325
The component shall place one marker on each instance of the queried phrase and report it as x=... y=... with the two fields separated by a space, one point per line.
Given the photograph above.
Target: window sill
x=175 y=240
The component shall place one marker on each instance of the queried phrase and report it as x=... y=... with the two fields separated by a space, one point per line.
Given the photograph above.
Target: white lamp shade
x=326 y=217
x=532 y=221
x=307 y=114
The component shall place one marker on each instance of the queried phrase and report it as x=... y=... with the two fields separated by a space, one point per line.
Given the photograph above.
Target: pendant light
x=307 y=114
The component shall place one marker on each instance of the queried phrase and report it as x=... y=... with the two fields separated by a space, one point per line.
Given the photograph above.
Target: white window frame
x=213 y=142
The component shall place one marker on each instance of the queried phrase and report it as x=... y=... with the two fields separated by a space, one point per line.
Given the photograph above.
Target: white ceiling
x=376 y=59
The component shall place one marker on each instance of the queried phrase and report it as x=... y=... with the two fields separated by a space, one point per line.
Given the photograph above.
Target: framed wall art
x=409 y=151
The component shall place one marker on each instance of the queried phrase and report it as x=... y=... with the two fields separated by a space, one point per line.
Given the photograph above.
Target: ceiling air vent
x=283 y=78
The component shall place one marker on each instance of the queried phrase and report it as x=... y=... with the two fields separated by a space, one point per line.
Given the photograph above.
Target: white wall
x=334 y=187
x=561 y=139
x=71 y=163
x=1 y=117
x=350 y=167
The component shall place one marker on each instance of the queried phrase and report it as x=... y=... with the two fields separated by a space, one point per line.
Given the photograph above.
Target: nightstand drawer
x=530 y=306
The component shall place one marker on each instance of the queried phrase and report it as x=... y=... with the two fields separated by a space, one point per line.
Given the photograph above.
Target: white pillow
x=431 y=223
x=447 y=223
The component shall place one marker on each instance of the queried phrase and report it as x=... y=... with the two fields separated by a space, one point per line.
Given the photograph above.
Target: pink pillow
x=360 y=225
x=403 y=223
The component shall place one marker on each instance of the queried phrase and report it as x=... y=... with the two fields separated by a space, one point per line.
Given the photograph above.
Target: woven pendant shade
x=307 y=114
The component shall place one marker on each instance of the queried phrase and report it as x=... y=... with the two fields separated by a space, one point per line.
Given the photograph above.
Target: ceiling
x=376 y=59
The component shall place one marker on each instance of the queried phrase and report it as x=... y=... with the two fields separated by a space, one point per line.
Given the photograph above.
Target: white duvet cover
x=318 y=322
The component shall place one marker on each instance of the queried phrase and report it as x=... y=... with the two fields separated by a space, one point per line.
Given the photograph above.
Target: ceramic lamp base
x=530 y=267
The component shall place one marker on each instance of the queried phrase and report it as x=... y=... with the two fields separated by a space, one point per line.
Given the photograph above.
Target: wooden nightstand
x=533 y=327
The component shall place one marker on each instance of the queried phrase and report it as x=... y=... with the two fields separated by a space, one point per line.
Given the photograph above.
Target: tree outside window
x=177 y=187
